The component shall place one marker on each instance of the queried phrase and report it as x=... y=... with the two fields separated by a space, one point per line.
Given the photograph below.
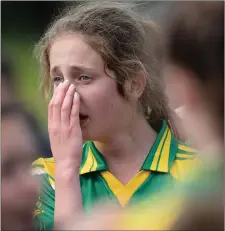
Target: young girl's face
x=103 y=112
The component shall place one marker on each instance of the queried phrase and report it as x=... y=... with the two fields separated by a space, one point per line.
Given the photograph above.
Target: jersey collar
x=160 y=158
x=92 y=159
x=162 y=154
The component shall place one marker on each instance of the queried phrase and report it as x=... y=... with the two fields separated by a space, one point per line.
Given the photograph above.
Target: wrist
x=68 y=164
x=67 y=170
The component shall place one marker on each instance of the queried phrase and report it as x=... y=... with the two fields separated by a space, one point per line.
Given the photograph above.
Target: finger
x=74 y=115
x=50 y=113
x=58 y=100
x=50 y=109
x=67 y=106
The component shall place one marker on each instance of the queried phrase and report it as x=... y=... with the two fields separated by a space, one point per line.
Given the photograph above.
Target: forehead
x=72 y=50
x=17 y=139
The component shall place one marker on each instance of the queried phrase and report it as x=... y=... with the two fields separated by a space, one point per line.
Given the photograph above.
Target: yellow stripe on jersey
x=114 y=184
x=37 y=212
x=181 y=168
x=164 y=160
x=124 y=192
x=45 y=166
x=50 y=166
x=186 y=156
x=39 y=161
x=88 y=163
x=136 y=182
x=158 y=151
x=95 y=164
x=186 y=149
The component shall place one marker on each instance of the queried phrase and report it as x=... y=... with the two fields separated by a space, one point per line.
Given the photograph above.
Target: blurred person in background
x=195 y=62
x=9 y=96
x=104 y=76
x=194 y=71
x=19 y=148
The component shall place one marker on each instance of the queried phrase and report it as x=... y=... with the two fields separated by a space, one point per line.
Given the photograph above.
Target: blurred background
x=23 y=23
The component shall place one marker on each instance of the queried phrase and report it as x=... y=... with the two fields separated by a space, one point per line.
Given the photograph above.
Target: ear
x=135 y=86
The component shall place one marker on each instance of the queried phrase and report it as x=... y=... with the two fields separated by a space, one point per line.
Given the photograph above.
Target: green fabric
x=94 y=187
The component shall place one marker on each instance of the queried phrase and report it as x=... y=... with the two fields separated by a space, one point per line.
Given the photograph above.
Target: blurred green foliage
x=26 y=76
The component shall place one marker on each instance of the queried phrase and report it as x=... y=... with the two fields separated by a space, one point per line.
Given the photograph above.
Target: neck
x=129 y=146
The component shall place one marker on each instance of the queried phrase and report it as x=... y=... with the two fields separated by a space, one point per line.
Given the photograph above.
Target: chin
x=89 y=135
x=86 y=134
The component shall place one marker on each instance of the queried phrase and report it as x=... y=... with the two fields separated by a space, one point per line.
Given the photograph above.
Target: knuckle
x=57 y=104
x=70 y=93
x=75 y=114
x=66 y=130
x=65 y=108
x=50 y=105
x=54 y=131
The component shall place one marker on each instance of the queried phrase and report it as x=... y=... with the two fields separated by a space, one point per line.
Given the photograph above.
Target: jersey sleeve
x=187 y=162
x=43 y=214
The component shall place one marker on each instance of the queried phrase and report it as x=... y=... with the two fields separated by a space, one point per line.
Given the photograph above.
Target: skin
x=72 y=59
x=89 y=91
x=6 y=93
x=198 y=123
x=18 y=186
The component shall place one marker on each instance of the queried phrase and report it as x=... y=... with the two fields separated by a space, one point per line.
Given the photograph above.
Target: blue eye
x=84 y=78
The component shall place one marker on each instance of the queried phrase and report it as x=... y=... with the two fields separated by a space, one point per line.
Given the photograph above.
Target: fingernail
x=72 y=86
x=66 y=81
x=76 y=95
x=60 y=85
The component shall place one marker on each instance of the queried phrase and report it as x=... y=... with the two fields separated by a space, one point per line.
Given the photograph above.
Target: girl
x=105 y=80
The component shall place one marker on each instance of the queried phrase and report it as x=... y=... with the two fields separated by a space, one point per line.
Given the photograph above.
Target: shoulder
x=45 y=168
x=47 y=165
x=43 y=165
x=184 y=152
x=186 y=162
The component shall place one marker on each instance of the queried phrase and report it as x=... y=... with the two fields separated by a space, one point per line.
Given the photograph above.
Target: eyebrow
x=78 y=69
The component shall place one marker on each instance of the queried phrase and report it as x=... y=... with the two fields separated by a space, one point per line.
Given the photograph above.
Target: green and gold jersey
x=167 y=163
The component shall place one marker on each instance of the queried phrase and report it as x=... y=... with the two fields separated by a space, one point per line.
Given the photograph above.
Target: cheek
x=100 y=98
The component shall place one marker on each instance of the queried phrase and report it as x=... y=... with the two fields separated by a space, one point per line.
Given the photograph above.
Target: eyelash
x=58 y=79
x=84 y=76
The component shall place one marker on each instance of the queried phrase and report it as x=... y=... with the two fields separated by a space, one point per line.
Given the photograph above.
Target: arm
x=66 y=143
x=68 y=200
